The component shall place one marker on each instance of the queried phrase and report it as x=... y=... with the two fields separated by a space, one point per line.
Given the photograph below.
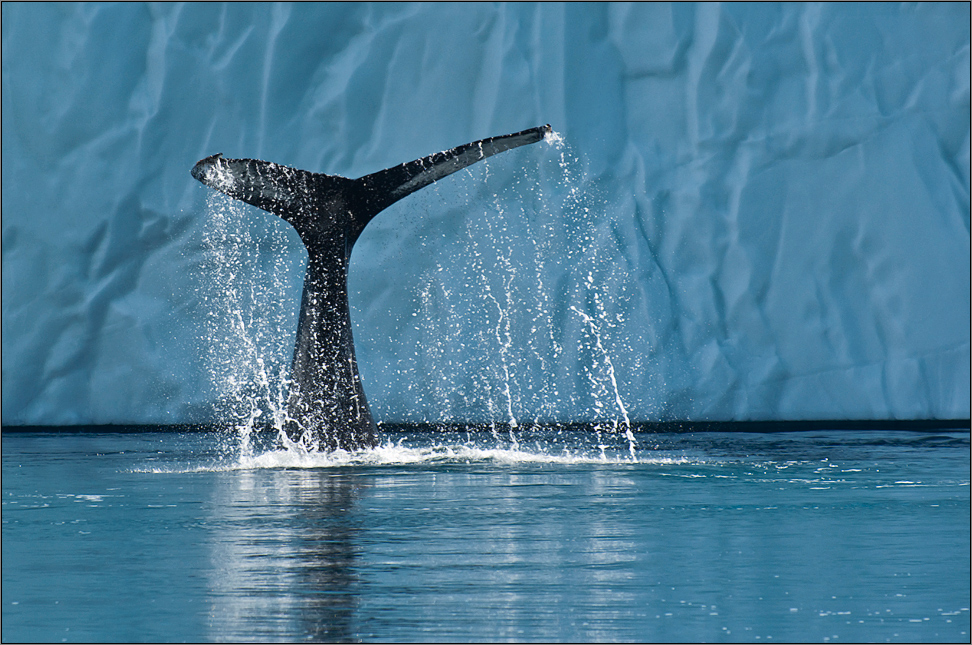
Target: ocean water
x=809 y=536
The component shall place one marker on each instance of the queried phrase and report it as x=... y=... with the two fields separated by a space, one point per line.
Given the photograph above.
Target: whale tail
x=314 y=203
x=326 y=403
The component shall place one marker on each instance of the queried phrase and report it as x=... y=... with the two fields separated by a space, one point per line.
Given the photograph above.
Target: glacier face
x=758 y=211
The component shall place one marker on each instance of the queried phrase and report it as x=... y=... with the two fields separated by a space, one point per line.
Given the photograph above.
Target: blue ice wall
x=760 y=211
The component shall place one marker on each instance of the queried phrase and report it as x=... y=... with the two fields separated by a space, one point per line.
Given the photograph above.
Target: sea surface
x=550 y=536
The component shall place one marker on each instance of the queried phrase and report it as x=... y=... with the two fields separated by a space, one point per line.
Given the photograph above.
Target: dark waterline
x=461 y=535
x=881 y=425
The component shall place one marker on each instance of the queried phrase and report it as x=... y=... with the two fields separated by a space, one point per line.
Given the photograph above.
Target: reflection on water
x=284 y=556
x=804 y=536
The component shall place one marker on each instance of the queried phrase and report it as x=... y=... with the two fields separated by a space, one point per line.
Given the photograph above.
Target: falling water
x=249 y=275
x=506 y=335
x=500 y=301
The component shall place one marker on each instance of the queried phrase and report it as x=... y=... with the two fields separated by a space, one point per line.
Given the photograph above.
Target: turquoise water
x=840 y=536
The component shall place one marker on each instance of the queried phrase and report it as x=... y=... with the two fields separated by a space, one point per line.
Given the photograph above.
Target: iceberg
x=756 y=211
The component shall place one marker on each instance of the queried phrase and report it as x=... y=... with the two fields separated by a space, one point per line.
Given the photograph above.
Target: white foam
x=391 y=454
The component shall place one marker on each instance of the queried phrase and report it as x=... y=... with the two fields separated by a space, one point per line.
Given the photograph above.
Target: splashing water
x=554 y=138
x=609 y=367
x=437 y=448
x=389 y=454
x=248 y=276
x=493 y=342
x=494 y=296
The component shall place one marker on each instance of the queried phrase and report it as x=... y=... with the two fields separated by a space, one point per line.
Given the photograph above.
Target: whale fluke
x=326 y=403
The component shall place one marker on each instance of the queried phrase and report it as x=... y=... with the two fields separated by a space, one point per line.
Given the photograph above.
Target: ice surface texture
x=777 y=223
